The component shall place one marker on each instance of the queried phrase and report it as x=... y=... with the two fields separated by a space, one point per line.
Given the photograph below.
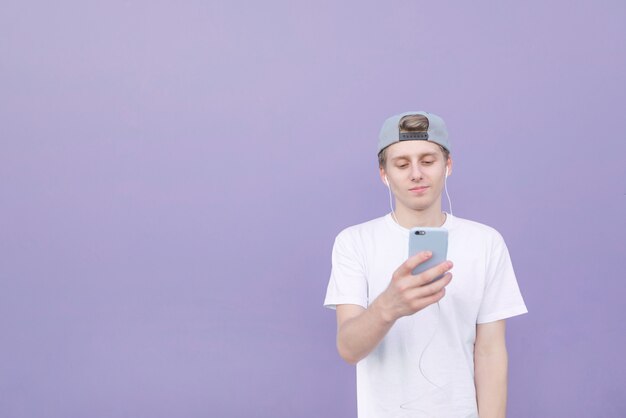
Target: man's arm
x=360 y=330
x=491 y=369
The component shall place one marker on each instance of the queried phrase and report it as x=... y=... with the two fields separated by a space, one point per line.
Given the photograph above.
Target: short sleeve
x=348 y=282
x=502 y=297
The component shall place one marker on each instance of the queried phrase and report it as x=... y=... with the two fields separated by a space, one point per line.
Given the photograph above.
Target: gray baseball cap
x=390 y=132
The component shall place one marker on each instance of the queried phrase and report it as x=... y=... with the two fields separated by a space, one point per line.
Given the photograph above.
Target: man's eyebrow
x=408 y=157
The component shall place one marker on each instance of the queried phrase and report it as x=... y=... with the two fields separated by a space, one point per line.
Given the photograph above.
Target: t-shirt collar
x=448 y=223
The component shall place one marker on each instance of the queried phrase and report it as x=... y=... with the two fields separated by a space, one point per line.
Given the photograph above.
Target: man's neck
x=408 y=218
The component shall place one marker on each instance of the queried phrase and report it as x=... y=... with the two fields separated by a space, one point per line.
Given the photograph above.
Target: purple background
x=173 y=174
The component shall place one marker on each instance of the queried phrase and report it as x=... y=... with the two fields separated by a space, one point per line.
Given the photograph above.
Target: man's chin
x=418 y=208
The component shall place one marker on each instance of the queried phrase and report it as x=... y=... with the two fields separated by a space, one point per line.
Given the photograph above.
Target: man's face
x=416 y=171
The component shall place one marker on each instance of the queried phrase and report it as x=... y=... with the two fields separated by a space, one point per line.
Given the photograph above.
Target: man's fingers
x=436 y=297
x=432 y=273
x=425 y=290
x=412 y=262
x=421 y=297
x=436 y=286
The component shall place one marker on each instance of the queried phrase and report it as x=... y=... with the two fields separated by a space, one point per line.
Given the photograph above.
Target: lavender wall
x=172 y=176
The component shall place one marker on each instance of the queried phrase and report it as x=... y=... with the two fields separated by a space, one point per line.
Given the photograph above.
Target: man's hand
x=407 y=294
x=360 y=330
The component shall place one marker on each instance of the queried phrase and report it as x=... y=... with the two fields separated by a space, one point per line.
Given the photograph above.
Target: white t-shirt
x=391 y=380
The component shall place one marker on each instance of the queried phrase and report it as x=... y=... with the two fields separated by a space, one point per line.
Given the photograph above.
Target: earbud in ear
x=386 y=181
x=446 y=171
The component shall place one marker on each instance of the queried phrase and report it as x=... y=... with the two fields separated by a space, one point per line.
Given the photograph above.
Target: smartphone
x=434 y=240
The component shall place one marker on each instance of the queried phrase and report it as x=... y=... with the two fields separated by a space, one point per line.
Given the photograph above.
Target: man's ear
x=383 y=176
x=449 y=167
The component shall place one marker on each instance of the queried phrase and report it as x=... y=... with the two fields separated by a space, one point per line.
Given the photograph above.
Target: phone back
x=429 y=239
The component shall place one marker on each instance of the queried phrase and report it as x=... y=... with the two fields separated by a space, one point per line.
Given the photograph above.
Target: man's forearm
x=490 y=375
x=358 y=336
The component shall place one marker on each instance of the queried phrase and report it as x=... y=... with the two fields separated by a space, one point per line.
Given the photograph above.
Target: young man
x=422 y=348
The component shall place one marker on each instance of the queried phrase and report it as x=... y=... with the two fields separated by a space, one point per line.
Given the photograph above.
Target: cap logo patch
x=405 y=136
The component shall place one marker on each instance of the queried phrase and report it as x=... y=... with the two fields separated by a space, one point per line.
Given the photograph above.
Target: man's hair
x=411 y=123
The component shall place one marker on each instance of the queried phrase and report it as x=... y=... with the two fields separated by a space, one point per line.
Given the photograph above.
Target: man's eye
x=427 y=162
x=403 y=166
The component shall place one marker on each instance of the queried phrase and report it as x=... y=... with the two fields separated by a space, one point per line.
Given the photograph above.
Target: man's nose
x=416 y=174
